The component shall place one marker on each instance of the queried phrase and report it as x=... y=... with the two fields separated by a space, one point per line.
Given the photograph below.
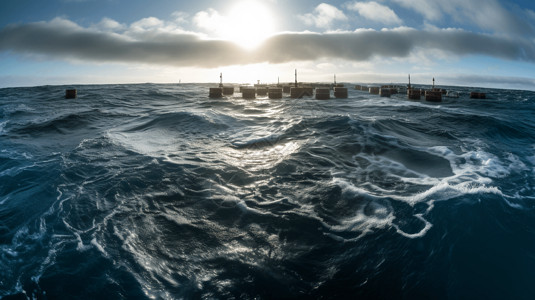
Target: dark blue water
x=157 y=191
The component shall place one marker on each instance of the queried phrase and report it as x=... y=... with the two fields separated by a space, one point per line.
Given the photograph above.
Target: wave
x=178 y=121
x=62 y=124
x=151 y=190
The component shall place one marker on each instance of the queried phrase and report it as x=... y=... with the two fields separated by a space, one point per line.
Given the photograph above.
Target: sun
x=248 y=24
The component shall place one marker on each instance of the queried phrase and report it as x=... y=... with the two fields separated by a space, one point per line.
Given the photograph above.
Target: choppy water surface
x=157 y=191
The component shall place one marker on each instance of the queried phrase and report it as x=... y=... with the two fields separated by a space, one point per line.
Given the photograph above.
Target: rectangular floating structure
x=216 y=92
x=323 y=93
x=275 y=93
x=477 y=95
x=248 y=93
x=244 y=87
x=358 y=87
x=70 y=94
x=393 y=88
x=228 y=90
x=385 y=92
x=340 y=92
x=414 y=94
x=364 y=88
x=374 y=90
x=433 y=96
x=262 y=91
x=300 y=92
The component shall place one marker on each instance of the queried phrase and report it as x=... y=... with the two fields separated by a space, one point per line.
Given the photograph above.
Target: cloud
x=65 y=40
x=210 y=20
x=107 y=24
x=428 y=8
x=144 y=43
x=324 y=16
x=180 y=17
x=486 y=14
x=401 y=42
x=375 y=12
x=147 y=24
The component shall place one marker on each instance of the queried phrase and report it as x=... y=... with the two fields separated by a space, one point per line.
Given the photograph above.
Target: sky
x=480 y=43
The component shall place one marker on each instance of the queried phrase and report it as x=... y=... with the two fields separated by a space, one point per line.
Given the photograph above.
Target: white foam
x=473 y=173
x=446 y=190
x=419 y=234
x=514 y=205
x=246 y=209
x=370 y=215
x=348 y=187
x=99 y=247
x=479 y=162
x=4 y=200
x=2 y=126
x=156 y=143
x=80 y=245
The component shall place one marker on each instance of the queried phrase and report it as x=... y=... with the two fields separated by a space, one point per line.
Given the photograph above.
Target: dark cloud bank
x=67 y=40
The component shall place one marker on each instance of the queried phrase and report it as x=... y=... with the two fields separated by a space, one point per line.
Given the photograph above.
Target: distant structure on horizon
x=322 y=91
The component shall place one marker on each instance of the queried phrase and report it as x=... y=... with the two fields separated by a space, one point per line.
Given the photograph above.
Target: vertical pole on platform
x=295 y=77
x=220 y=80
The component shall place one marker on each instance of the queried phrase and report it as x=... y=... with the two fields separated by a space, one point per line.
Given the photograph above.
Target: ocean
x=155 y=191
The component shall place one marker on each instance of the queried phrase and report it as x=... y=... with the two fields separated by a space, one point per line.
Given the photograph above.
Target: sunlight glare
x=249 y=24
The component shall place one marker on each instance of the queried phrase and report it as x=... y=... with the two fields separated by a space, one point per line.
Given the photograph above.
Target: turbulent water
x=156 y=191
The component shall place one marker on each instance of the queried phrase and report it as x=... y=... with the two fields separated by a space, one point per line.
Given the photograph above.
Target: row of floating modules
x=432 y=95
x=276 y=92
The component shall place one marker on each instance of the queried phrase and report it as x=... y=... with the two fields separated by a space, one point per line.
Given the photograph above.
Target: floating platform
x=300 y=92
x=374 y=90
x=385 y=92
x=262 y=90
x=275 y=93
x=70 y=93
x=433 y=96
x=393 y=89
x=245 y=87
x=414 y=94
x=248 y=93
x=340 y=92
x=228 y=90
x=323 y=93
x=477 y=95
x=216 y=92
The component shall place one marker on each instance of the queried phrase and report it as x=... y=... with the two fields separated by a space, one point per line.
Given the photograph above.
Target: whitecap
x=418 y=234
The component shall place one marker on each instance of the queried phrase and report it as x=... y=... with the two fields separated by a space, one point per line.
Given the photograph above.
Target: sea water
x=159 y=192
